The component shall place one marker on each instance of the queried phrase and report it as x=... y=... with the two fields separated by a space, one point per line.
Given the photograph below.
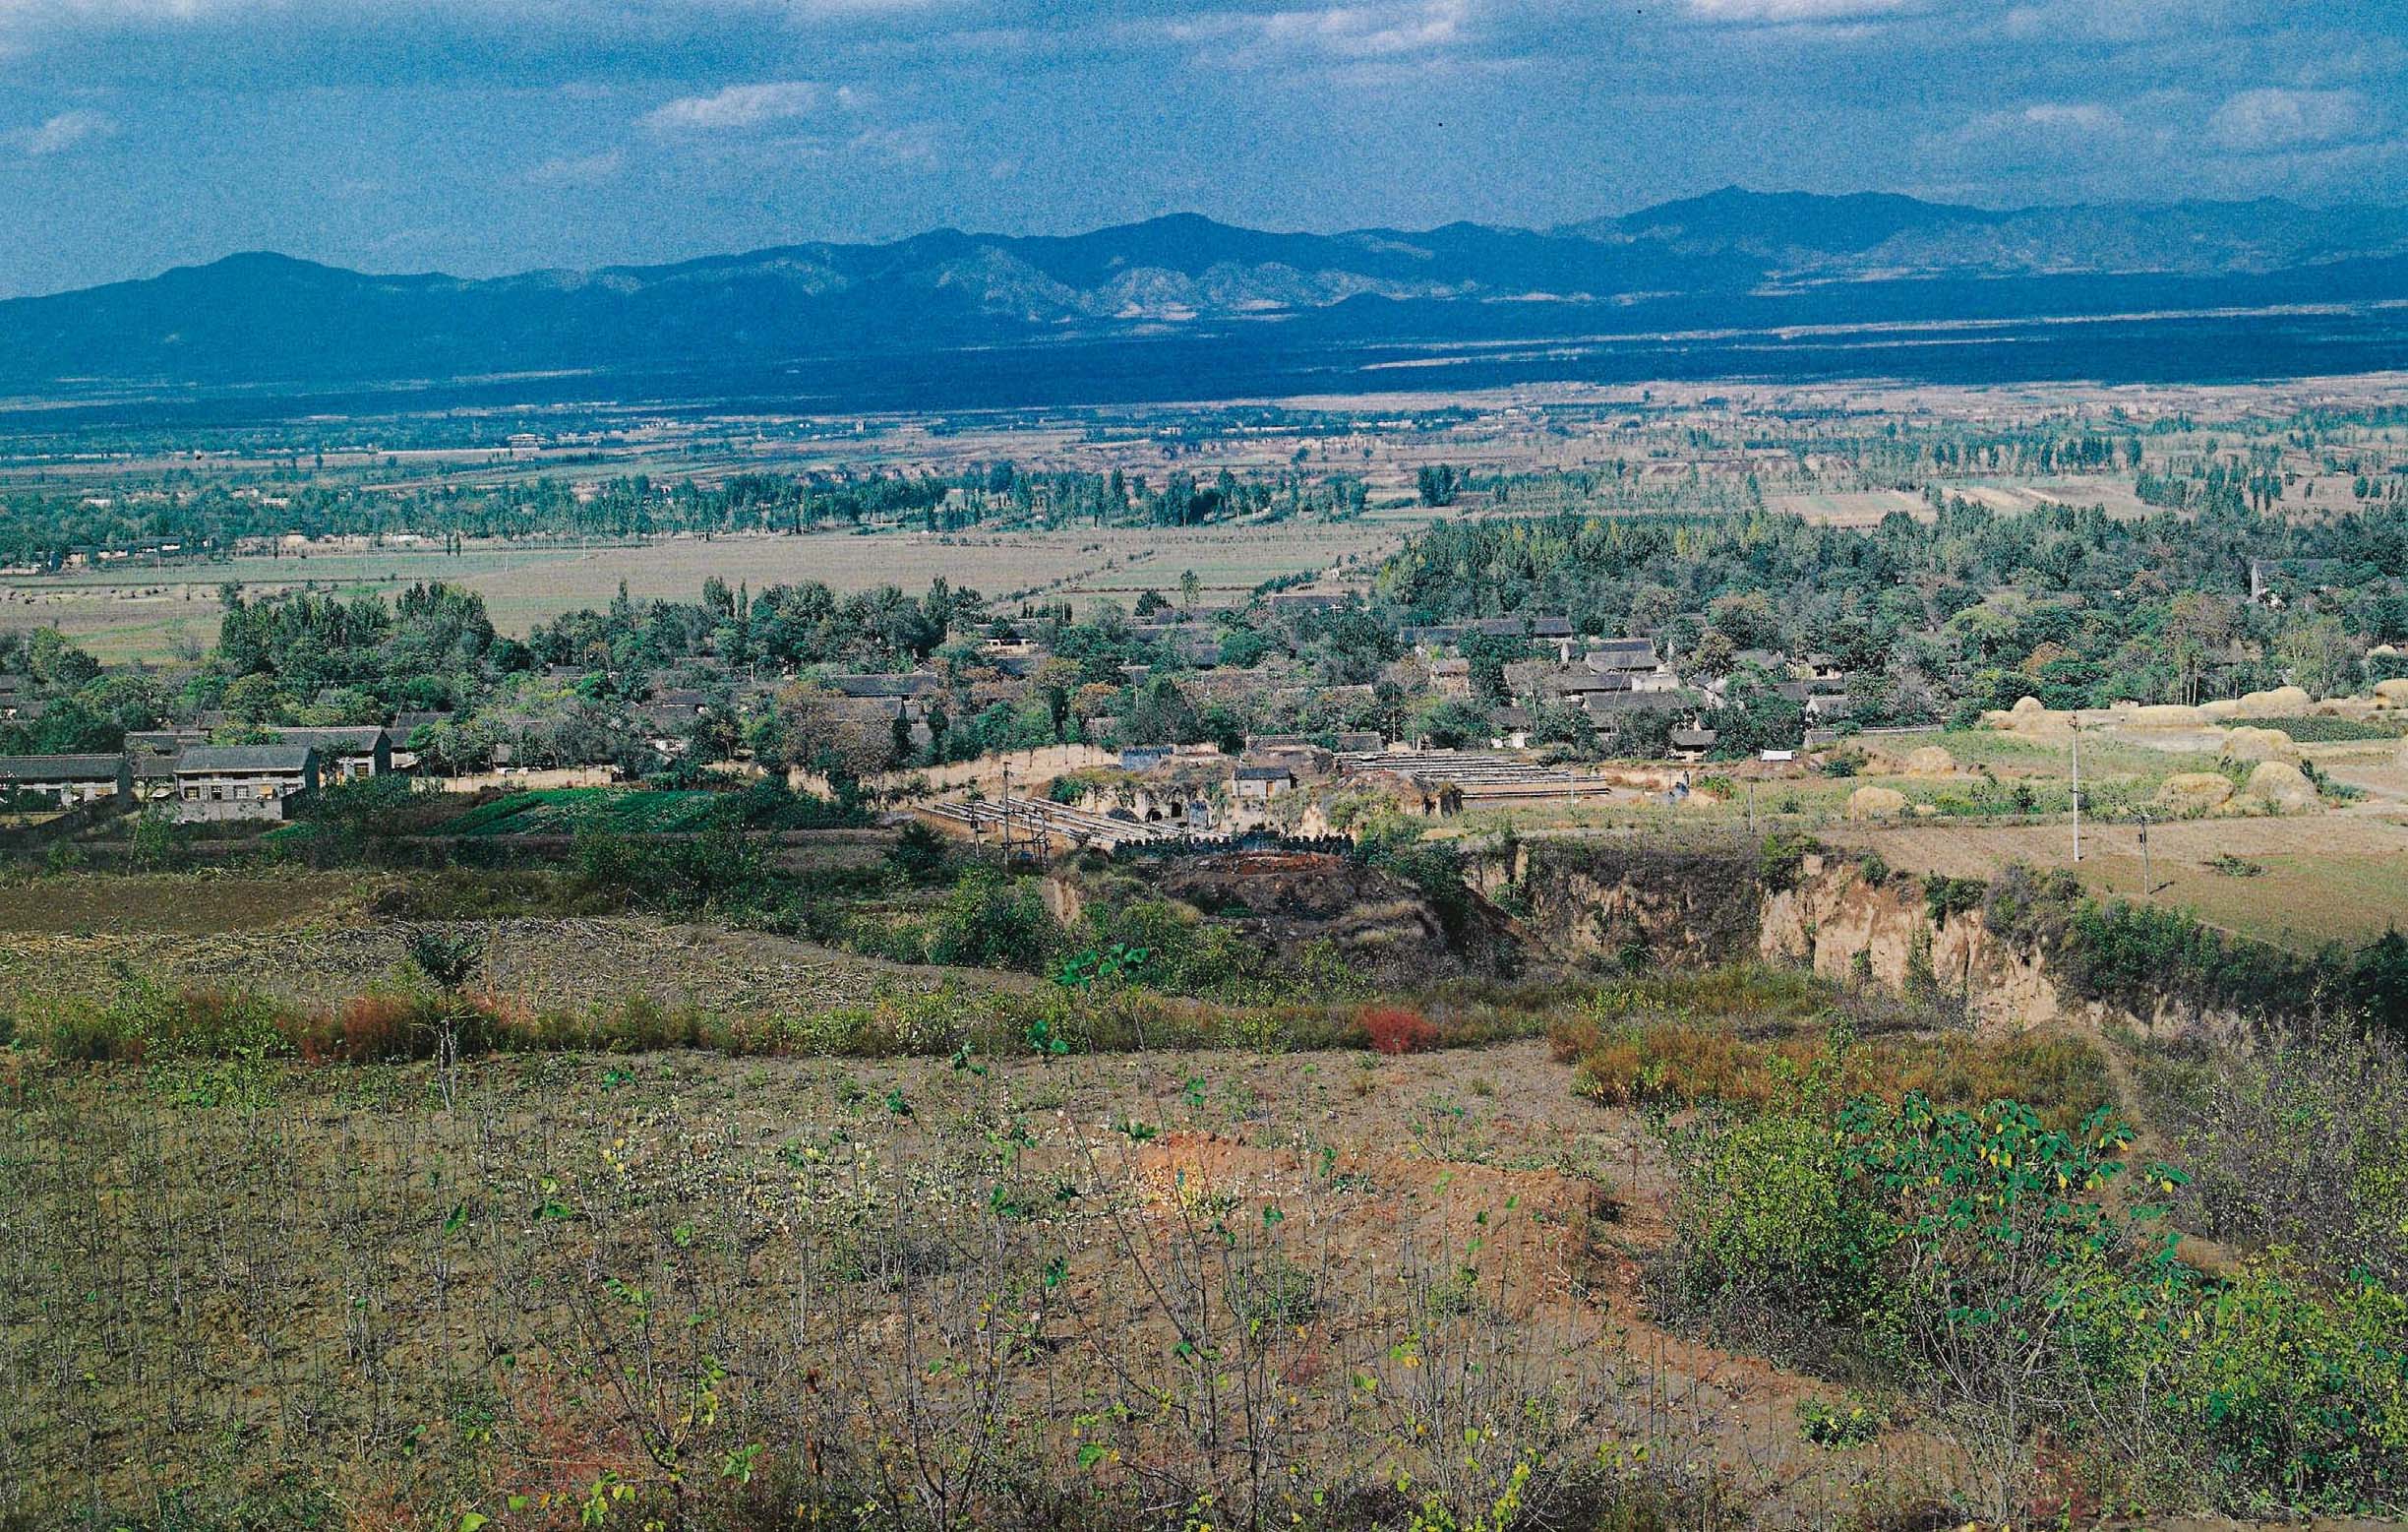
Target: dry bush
x=1681 y=1064
x=2299 y=1142
x=381 y=1028
x=1395 y=1029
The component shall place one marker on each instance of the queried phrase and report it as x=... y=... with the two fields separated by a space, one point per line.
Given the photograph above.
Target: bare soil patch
x=1410 y=1267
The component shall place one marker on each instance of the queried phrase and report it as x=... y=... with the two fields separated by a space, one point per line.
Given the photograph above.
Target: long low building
x=66 y=780
x=243 y=781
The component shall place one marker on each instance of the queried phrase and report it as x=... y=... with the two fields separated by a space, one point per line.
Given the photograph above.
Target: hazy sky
x=481 y=136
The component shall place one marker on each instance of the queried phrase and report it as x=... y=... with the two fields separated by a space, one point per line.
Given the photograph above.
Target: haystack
x=1876 y=803
x=2281 y=787
x=2030 y=717
x=2247 y=744
x=2283 y=702
x=2390 y=694
x=2194 y=792
x=1929 y=760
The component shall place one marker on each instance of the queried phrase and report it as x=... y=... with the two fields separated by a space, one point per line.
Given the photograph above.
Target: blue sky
x=484 y=136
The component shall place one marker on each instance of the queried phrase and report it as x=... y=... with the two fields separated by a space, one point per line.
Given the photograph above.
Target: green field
x=564 y=811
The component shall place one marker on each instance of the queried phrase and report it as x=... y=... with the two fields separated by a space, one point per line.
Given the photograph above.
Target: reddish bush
x=1392 y=1030
x=377 y=1028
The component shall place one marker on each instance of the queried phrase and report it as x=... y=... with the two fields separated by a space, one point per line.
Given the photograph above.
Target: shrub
x=992 y=920
x=1946 y=897
x=448 y=957
x=1269 y=1289
x=1394 y=1029
x=1972 y=1258
x=83 y=1036
x=1784 y=855
x=1776 y=1243
x=1838 y=1427
x=1395 y=846
x=2299 y=1142
x=919 y=853
x=2297 y=1396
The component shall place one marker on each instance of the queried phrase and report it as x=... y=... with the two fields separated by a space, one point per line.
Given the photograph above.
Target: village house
x=667 y=726
x=1547 y=632
x=345 y=754
x=1262 y=783
x=243 y=781
x=153 y=754
x=1691 y=744
x=66 y=780
x=1343 y=743
x=1452 y=678
x=1633 y=660
x=1290 y=604
x=904 y=696
x=402 y=732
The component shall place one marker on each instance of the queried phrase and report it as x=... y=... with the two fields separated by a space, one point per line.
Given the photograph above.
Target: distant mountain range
x=270 y=322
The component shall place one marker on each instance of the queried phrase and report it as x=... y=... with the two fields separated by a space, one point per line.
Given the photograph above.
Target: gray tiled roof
x=59 y=768
x=244 y=758
x=345 y=739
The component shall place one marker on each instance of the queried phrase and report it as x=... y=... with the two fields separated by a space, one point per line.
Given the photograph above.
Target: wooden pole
x=2077 y=788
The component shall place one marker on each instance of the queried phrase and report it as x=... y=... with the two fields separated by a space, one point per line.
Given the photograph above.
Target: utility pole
x=2078 y=787
x=2148 y=879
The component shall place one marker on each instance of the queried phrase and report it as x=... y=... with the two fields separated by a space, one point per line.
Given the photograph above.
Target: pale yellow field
x=124 y=615
x=2323 y=877
x=2008 y=497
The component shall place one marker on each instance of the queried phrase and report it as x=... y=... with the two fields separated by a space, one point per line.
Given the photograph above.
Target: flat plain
x=122 y=615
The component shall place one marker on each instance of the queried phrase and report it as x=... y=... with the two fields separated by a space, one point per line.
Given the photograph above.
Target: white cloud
x=578 y=169
x=739 y=107
x=2076 y=117
x=2061 y=120
x=1371 y=31
x=1779 y=12
x=1339 y=31
x=2257 y=121
x=67 y=129
x=912 y=144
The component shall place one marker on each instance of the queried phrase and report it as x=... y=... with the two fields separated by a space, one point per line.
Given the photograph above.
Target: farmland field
x=127 y=614
x=1866 y=508
x=189 y=903
x=333 y=950
x=2319 y=878
x=561 y=811
x=1428 y=1264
